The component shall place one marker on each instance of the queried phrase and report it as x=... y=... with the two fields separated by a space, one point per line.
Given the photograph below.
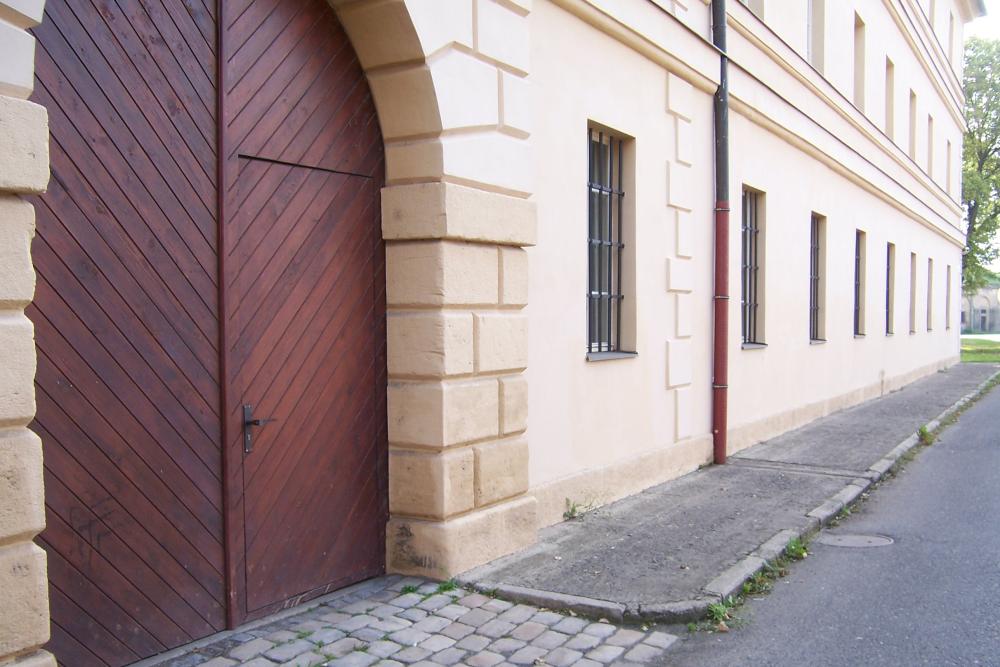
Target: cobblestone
x=571 y=625
x=661 y=640
x=602 y=630
x=368 y=634
x=474 y=643
x=547 y=617
x=518 y=614
x=643 y=653
x=495 y=628
x=309 y=659
x=550 y=640
x=605 y=653
x=583 y=642
x=625 y=637
x=342 y=647
x=527 y=655
x=452 y=611
x=457 y=630
x=384 y=648
x=408 y=636
x=474 y=600
x=432 y=624
x=384 y=627
x=251 y=649
x=356 y=659
x=414 y=614
x=411 y=654
x=527 y=631
x=561 y=657
x=484 y=659
x=497 y=606
x=284 y=652
x=449 y=656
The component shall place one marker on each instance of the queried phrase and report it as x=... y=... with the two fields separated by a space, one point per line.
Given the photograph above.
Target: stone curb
x=683 y=611
x=583 y=606
x=732 y=579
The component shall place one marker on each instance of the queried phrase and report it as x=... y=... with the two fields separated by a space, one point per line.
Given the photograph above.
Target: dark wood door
x=305 y=305
x=125 y=315
x=150 y=338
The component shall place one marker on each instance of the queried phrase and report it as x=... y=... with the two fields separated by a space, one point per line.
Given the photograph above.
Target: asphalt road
x=930 y=598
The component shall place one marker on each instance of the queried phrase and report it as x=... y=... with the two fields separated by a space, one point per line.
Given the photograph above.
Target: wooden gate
x=175 y=288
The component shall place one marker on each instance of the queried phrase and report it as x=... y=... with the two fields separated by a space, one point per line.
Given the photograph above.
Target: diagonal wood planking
x=128 y=327
x=305 y=320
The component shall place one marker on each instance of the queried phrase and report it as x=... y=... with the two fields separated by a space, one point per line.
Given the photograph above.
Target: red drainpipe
x=720 y=333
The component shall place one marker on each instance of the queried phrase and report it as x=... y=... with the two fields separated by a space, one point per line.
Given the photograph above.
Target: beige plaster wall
x=24 y=168
x=601 y=430
x=587 y=416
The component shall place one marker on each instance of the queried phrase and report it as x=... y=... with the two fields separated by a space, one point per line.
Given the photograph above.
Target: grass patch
x=975 y=350
x=446 y=586
x=408 y=588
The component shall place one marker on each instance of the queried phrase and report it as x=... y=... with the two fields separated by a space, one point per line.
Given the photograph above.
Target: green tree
x=981 y=160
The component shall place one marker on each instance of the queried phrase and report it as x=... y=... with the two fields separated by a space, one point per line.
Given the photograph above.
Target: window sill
x=608 y=356
x=889 y=334
x=754 y=346
x=817 y=341
x=859 y=335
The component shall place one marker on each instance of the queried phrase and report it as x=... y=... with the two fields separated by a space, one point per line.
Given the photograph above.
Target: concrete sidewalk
x=666 y=553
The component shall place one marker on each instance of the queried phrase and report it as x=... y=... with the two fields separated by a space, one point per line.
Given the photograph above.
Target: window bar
x=743 y=269
x=618 y=288
x=600 y=245
x=590 y=243
x=888 y=278
x=813 y=257
x=752 y=276
x=857 y=282
x=754 y=269
x=611 y=209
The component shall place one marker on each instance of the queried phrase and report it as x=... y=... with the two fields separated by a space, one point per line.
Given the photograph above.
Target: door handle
x=249 y=422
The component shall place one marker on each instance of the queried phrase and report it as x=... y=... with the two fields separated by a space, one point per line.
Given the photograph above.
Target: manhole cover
x=854 y=541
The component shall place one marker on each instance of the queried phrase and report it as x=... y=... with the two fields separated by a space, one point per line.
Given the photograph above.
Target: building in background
x=981 y=310
x=324 y=214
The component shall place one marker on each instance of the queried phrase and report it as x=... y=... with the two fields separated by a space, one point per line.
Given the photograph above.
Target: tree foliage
x=981 y=160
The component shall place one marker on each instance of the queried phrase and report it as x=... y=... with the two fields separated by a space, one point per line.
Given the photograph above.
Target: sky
x=987 y=26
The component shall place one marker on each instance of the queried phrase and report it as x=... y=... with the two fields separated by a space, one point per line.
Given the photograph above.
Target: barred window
x=859 y=282
x=890 y=286
x=817 y=229
x=604 y=241
x=751 y=294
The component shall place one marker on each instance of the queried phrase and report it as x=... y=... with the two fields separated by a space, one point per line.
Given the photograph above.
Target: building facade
x=324 y=214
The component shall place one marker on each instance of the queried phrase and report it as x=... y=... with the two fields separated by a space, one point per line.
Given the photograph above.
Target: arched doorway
x=208 y=254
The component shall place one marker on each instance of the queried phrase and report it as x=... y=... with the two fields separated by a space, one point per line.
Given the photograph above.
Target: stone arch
x=453 y=97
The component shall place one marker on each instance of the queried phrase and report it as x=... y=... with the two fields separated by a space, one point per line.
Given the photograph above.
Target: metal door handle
x=249 y=421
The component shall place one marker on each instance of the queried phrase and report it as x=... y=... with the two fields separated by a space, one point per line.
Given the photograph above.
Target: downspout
x=720 y=333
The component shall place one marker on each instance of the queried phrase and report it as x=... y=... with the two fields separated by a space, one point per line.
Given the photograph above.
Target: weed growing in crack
x=446 y=586
x=408 y=588
x=575 y=510
x=757 y=584
x=796 y=549
x=925 y=437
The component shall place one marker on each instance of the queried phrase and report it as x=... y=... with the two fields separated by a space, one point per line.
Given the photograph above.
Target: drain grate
x=854 y=541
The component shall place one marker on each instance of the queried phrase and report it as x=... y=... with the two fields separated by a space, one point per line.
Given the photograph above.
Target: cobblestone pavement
x=410 y=621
